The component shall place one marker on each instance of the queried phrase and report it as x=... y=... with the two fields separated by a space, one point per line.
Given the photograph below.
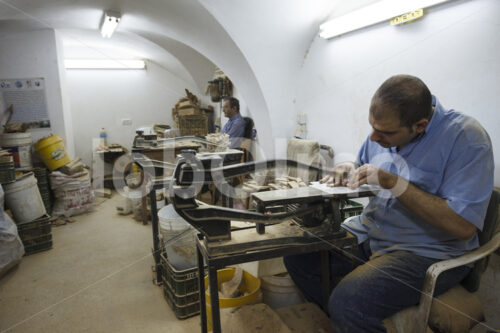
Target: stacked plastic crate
x=7 y=171
x=23 y=199
x=42 y=177
x=351 y=208
x=180 y=288
x=36 y=235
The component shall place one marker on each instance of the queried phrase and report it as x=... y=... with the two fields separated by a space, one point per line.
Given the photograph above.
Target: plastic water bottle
x=103 y=137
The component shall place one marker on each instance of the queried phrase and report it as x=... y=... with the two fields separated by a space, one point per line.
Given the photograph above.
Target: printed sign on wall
x=28 y=98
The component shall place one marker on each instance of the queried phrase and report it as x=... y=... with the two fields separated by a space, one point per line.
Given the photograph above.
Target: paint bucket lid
x=15 y=139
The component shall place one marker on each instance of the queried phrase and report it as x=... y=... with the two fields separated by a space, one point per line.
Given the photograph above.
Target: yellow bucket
x=250 y=288
x=52 y=152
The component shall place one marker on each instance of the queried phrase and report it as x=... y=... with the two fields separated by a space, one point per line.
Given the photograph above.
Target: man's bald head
x=405 y=96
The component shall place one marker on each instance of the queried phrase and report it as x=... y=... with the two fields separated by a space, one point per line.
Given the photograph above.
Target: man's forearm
x=434 y=210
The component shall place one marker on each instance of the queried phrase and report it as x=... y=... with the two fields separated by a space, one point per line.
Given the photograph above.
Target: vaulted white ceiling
x=260 y=43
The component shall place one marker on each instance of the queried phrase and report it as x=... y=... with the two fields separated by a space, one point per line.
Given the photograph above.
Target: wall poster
x=29 y=101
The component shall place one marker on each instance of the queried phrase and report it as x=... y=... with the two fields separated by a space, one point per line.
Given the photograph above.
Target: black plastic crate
x=41 y=173
x=352 y=208
x=181 y=311
x=34 y=229
x=181 y=299
x=7 y=173
x=32 y=242
x=182 y=282
x=31 y=249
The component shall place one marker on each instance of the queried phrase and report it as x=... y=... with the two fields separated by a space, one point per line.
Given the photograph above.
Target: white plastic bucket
x=135 y=196
x=126 y=203
x=24 y=199
x=178 y=237
x=160 y=204
x=279 y=291
x=19 y=145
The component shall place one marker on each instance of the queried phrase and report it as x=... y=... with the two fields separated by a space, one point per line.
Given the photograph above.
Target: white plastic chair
x=462 y=315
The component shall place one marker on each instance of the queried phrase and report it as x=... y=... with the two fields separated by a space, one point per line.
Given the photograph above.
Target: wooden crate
x=188 y=111
x=193 y=125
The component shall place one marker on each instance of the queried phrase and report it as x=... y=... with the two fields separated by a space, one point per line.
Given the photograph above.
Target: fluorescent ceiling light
x=109 y=23
x=372 y=14
x=104 y=64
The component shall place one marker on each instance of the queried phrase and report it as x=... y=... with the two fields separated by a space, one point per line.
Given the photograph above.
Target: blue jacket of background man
x=235 y=128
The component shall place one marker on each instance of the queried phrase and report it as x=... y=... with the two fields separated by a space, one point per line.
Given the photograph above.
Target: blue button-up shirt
x=235 y=128
x=451 y=159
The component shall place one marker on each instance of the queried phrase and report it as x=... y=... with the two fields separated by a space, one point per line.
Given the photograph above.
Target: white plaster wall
x=65 y=98
x=193 y=25
x=102 y=98
x=184 y=21
x=274 y=37
x=454 y=49
x=34 y=54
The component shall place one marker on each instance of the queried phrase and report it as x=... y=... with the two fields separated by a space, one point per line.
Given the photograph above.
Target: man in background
x=235 y=126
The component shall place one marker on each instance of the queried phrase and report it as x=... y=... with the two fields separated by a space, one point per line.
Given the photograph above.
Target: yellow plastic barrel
x=250 y=289
x=52 y=152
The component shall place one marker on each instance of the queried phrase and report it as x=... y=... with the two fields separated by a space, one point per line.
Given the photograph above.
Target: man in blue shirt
x=235 y=126
x=436 y=170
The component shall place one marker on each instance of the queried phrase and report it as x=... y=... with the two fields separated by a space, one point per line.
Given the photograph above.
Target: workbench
x=101 y=158
x=217 y=255
x=163 y=182
x=166 y=153
x=143 y=157
x=286 y=222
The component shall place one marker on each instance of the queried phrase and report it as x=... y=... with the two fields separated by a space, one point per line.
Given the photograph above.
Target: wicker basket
x=193 y=125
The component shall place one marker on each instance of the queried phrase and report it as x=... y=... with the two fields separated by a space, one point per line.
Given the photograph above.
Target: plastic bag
x=73 y=193
x=11 y=247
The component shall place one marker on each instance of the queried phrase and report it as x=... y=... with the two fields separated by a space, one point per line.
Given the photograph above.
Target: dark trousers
x=367 y=291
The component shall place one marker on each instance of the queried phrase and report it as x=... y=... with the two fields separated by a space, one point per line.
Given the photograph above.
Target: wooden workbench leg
x=201 y=285
x=325 y=278
x=214 y=298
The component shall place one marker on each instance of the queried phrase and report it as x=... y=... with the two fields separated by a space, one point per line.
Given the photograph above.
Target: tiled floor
x=97 y=278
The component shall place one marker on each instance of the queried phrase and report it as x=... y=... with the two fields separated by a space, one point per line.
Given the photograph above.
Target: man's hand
x=433 y=209
x=340 y=174
x=371 y=174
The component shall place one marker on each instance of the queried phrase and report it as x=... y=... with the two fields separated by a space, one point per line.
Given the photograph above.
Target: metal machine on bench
x=292 y=216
